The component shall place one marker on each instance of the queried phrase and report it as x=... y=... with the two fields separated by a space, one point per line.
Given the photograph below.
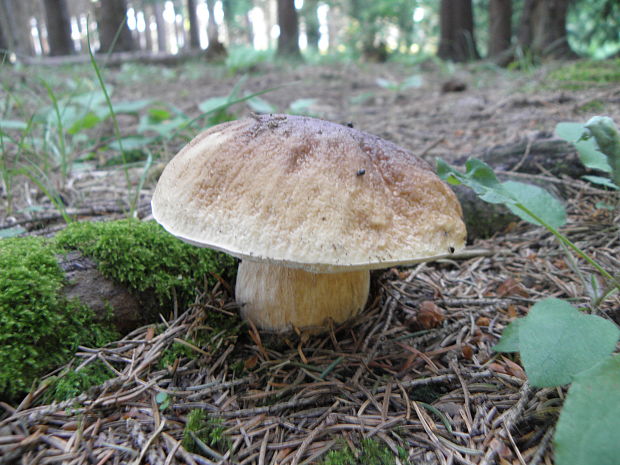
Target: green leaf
x=157 y=115
x=133 y=106
x=88 y=121
x=260 y=105
x=601 y=181
x=588 y=152
x=589 y=425
x=412 y=81
x=301 y=106
x=557 y=342
x=11 y=232
x=509 y=341
x=538 y=201
x=130 y=143
x=387 y=83
x=213 y=103
x=12 y=124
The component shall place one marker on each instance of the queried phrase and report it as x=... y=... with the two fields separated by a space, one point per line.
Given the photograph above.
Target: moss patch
x=148 y=260
x=585 y=73
x=39 y=329
x=371 y=452
x=72 y=383
x=209 y=431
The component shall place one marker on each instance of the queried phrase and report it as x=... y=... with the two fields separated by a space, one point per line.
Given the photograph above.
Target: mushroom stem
x=276 y=298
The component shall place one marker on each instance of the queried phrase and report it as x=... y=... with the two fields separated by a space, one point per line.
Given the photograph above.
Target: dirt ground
x=416 y=371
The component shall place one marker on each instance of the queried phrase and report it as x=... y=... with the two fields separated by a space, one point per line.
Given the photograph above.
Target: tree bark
x=58 y=27
x=16 y=26
x=288 y=40
x=500 y=29
x=194 y=33
x=542 y=30
x=216 y=48
x=111 y=15
x=456 y=23
x=4 y=45
x=161 y=28
x=311 y=19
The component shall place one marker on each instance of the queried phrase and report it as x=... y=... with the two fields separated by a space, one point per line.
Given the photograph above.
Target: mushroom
x=309 y=207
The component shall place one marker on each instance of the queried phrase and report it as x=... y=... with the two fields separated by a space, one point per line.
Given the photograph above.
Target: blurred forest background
x=375 y=30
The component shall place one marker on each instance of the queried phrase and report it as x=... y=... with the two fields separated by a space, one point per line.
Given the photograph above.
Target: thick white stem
x=276 y=298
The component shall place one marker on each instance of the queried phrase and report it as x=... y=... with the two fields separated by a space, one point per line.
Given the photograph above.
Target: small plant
x=371 y=452
x=72 y=382
x=201 y=431
x=558 y=343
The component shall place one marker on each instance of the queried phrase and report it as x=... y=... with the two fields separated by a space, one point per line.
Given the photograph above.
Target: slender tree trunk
x=311 y=19
x=160 y=24
x=111 y=15
x=500 y=29
x=58 y=27
x=16 y=26
x=194 y=33
x=542 y=30
x=216 y=48
x=288 y=40
x=456 y=22
x=148 y=36
x=4 y=45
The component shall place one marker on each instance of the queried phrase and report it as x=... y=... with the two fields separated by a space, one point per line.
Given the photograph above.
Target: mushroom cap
x=307 y=193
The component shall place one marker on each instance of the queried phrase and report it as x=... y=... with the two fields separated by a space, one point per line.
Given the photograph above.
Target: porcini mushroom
x=309 y=207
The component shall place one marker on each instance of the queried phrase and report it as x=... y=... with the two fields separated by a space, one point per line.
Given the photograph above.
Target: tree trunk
x=111 y=15
x=500 y=29
x=311 y=19
x=194 y=33
x=288 y=40
x=456 y=22
x=58 y=27
x=161 y=28
x=4 y=45
x=216 y=48
x=16 y=26
x=542 y=30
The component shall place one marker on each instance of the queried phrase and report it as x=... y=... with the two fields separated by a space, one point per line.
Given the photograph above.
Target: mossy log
x=89 y=280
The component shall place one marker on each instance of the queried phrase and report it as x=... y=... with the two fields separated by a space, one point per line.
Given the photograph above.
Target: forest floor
x=414 y=379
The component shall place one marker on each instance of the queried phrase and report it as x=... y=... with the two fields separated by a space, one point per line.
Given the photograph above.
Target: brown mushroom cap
x=307 y=193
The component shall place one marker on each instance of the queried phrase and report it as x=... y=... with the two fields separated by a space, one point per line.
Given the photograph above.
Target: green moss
x=207 y=430
x=39 y=329
x=584 y=73
x=147 y=259
x=371 y=452
x=72 y=383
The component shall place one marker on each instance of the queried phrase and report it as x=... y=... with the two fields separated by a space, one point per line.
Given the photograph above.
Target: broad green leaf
x=12 y=124
x=301 y=106
x=157 y=115
x=131 y=106
x=88 y=121
x=214 y=103
x=588 y=431
x=601 y=181
x=538 y=201
x=11 y=232
x=386 y=83
x=557 y=342
x=509 y=341
x=588 y=151
x=130 y=143
x=480 y=177
x=260 y=105
x=412 y=81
